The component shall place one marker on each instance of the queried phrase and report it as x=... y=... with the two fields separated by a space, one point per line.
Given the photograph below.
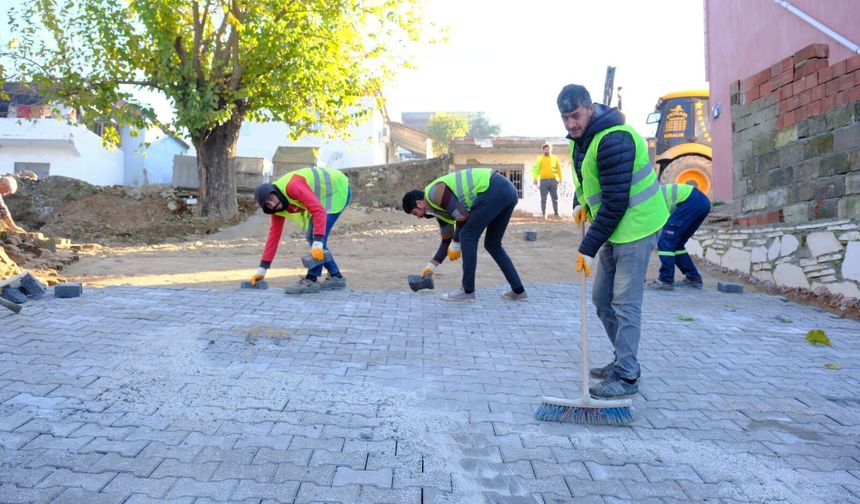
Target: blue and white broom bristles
x=576 y=414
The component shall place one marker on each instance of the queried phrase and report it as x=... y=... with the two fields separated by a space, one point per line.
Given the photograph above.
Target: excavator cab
x=682 y=146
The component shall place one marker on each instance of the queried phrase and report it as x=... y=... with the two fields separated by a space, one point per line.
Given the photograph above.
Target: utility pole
x=608 y=85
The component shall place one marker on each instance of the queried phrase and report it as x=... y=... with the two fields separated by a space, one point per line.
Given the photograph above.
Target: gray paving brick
x=87 y=481
x=451 y=418
x=380 y=478
x=129 y=484
x=232 y=470
x=308 y=492
x=79 y=495
x=186 y=487
x=251 y=489
x=24 y=477
x=177 y=469
x=321 y=475
x=11 y=494
x=145 y=499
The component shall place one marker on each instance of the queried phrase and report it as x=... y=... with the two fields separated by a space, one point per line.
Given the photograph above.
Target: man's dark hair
x=571 y=97
x=410 y=198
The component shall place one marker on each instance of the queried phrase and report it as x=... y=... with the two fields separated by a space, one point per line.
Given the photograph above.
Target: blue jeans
x=619 y=286
x=330 y=266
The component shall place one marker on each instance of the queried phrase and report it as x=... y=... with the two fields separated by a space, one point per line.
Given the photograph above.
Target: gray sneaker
x=690 y=283
x=613 y=388
x=513 y=296
x=459 y=295
x=303 y=286
x=662 y=286
x=602 y=372
x=333 y=283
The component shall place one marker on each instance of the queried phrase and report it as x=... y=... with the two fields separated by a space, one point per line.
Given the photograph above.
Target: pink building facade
x=744 y=36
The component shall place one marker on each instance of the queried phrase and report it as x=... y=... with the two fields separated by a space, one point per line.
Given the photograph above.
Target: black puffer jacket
x=615 y=156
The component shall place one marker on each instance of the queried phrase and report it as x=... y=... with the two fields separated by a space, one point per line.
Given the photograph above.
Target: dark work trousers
x=682 y=223
x=492 y=211
x=550 y=186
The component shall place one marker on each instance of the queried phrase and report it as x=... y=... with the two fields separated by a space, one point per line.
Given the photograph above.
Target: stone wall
x=385 y=185
x=250 y=172
x=820 y=255
x=796 y=140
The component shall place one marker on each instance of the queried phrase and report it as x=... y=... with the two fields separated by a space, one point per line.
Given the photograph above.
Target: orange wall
x=745 y=36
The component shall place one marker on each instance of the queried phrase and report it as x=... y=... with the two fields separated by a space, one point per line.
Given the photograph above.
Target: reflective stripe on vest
x=330 y=186
x=465 y=184
x=325 y=198
x=646 y=210
x=638 y=176
x=678 y=194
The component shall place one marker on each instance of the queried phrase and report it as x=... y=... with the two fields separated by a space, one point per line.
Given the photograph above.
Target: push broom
x=586 y=409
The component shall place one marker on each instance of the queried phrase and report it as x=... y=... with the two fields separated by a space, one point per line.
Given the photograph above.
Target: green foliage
x=817 y=337
x=310 y=64
x=443 y=126
x=306 y=63
x=480 y=127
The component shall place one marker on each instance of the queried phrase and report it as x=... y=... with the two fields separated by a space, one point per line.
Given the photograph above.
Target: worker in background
x=8 y=185
x=546 y=174
x=313 y=198
x=688 y=208
x=617 y=190
x=465 y=203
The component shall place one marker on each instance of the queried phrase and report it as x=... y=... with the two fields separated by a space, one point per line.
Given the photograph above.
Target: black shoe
x=695 y=284
x=658 y=285
x=602 y=373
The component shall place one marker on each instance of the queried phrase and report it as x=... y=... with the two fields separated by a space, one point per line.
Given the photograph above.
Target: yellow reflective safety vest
x=465 y=184
x=675 y=194
x=330 y=186
x=646 y=209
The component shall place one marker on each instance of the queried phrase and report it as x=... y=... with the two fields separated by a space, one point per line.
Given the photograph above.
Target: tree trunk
x=215 y=150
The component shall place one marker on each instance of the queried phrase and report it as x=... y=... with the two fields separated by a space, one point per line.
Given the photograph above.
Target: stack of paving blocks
x=22 y=289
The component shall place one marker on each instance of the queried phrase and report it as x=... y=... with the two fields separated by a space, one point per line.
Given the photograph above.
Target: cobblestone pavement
x=138 y=395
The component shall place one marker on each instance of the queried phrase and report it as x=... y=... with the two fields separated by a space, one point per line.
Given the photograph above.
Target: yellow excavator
x=682 y=147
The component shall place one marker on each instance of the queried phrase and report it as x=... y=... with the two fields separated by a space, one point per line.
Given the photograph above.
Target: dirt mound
x=111 y=215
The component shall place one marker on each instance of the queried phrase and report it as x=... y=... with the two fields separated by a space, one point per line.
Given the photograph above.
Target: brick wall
x=796 y=140
x=385 y=185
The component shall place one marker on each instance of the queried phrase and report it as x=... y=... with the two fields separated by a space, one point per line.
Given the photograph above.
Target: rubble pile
x=35 y=252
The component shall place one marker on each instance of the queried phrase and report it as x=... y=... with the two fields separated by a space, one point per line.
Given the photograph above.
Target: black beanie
x=261 y=194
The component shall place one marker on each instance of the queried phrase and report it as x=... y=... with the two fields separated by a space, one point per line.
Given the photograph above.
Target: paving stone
x=78 y=495
x=380 y=478
x=218 y=490
x=167 y=391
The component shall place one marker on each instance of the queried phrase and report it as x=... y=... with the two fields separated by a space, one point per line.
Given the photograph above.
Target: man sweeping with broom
x=618 y=192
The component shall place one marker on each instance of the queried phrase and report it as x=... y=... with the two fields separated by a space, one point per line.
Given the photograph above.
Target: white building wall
x=363 y=148
x=71 y=151
x=159 y=160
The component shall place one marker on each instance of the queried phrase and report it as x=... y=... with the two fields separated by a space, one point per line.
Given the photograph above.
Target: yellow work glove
x=583 y=262
x=454 y=251
x=428 y=270
x=578 y=214
x=317 y=251
x=259 y=275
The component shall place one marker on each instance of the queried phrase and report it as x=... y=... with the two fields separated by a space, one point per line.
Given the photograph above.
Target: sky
x=509 y=60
